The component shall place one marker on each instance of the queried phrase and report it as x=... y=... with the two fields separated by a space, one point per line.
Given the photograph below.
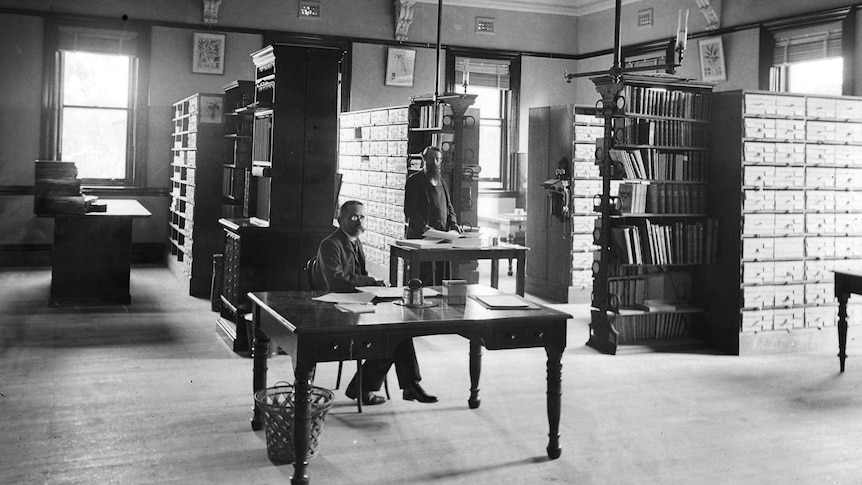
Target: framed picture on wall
x=399 y=66
x=208 y=53
x=712 y=60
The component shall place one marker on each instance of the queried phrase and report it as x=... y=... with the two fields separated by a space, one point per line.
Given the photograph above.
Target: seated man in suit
x=341 y=261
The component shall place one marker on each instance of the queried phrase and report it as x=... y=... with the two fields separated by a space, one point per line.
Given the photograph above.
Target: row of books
x=676 y=243
x=661 y=102
x=262 y=139
x=57 y=190
x=662 y=198
x=639 y=131
x=653 y=326
x=652 y=164
x=630 y=291
x=431 y=115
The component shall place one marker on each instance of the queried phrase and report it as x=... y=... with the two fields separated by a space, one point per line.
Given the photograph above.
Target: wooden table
x=413 y=256
x=92 y=255
x=312 y=332
x=845 y=284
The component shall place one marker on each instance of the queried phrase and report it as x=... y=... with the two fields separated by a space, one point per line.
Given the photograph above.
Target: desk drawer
x=758 y=296
x=757 y=320
x=848 y=178
x=758 y=249
x=820 y=154
x=848 y=156
x=521 y=335
x=758 y=272
x=790 y=130
x=759 y=152
x=790 y=223
x=821 y=316
x=758 y=176
x=345 y=347
x=820 y=201
x=820 y=247
x=761 y=128
x=819 y=293
x=820 y=223
x=787 y=271
x=789 y=295
x=789 y=248
x=790 y=153
x=759 y=201
x=790 y=201
x=848 y=201
x=758 y=224
x=788 y=318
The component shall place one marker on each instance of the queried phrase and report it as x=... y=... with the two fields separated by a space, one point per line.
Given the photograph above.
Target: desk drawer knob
x=540 y=334
x=367 y=345
x=334 y=346
x=512 y=336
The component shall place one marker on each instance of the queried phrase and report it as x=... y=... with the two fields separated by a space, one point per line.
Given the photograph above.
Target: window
x=808 y=60
x=94 y=98
x=491 y=80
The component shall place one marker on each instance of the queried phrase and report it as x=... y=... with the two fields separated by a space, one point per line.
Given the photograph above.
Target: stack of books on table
x=58 y=190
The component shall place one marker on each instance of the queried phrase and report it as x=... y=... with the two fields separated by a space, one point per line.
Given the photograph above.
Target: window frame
x=508 y=165
x=847 y=18
x=135 y=163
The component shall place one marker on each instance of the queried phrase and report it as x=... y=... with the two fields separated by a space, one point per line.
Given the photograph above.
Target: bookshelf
x=379 y=148
x=198 y=147
x=236 y=169
x=655 y=237
x=787 y=192
x=291 y=189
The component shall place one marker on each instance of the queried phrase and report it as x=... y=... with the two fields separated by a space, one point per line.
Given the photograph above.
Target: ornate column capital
x=403 y=18
x=711 y=9
x=211 y=11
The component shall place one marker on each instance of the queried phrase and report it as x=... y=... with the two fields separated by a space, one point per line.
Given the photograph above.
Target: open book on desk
x=434 y=239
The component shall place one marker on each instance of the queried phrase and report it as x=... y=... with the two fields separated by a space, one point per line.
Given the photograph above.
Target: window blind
x=482 y=72
x=807 y=44
x=103 y=41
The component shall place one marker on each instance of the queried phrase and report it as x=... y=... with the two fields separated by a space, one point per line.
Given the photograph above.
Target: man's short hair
x=347 y=205
x=431 y=149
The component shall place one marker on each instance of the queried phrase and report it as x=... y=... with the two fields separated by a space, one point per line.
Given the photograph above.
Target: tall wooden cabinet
x=294 y=143
x=560 y=227
x=236 y=168
x=654 y=237
x=786 y=186
x=198 y=149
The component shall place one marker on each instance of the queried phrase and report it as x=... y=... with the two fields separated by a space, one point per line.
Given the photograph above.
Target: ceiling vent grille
x=484 y=25
x=645 y=18
x=309 y=10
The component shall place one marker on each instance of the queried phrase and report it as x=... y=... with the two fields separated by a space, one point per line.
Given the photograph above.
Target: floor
x=148 y=393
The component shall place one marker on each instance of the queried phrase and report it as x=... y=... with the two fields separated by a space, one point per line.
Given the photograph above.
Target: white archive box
x=789 y=295
x=820 y=177
x=756 y=320
x=790 y=106
x=789 y=247
x=848 y=223
x=756 y=176
x=848 y=109
x=819 y=293
x=789 y=201
x=821 y=316
x=789 y=177
x=820 y=154
x=845 y=132
x=820 y=201
x=820 y=247
x=790 y=153
x=758 y=272
x=762 y=296
x=758 y=224
x=758 y=200
x=821 y=131
x=758 y=249
x=848 y=201
x=848 y=178
x=787 y=318
x=848 y=247
x=790 y=130
x=759 y=104
x=790 y=224
x=821 y=107
x=819 y=270
x=788 y=271
x=848 y=156
x=759 y=152
x=820 y=223
x=760 y=128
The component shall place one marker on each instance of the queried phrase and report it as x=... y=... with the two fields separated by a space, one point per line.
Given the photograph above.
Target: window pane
x=95 y=80
x=489 y=149
x=488 y=101
x=824 y=76
x=95 y=139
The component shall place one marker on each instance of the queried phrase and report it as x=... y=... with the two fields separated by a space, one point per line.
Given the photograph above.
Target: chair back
x=311 y=271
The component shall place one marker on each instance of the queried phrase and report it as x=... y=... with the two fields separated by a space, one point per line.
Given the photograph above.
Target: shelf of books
x=787 y=190
x=198 y=145
x=654 y=234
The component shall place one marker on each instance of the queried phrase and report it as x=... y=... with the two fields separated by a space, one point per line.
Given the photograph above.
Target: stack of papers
x=355 y=298
x=504 y=302
x=394 y=291
x=356 y=307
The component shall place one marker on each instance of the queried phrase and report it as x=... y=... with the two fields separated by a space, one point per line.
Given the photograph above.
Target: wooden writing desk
x=845 y=284
x=312 y=332
x=92 y=255
x=414 y=256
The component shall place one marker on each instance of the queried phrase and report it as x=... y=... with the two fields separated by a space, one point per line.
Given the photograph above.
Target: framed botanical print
x=208 y=53
x=712 y=60
x=399 y=66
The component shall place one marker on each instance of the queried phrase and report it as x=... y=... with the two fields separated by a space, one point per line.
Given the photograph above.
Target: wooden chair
x=310 y=272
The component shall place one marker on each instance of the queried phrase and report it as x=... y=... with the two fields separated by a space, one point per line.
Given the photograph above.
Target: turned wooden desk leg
x=475 y=371
x=393 y=269
x=555 y=386
x=510 y=267
x=519 y=273
x=495 y=273
x=260 y=352
x=842 y=328
x=301 y=422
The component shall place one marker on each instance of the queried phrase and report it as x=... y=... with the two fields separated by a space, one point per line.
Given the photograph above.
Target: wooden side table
x=846 y=283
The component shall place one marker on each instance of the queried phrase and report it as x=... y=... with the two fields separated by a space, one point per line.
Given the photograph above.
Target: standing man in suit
x=341 y=261
x=428 y=205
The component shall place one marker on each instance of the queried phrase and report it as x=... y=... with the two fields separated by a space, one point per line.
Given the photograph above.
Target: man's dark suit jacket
x=341 y=266
x=418 y=192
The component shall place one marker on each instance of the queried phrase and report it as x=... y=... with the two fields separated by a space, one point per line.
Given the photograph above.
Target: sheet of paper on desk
x=427 y=243
x=503 y=302
x=394 y=291
x=435 y=234
x=356 y=307
x=360 y=297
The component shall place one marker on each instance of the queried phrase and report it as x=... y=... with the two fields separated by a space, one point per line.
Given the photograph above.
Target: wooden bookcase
x=563 y=136
x=236 y=169
x=198 y=149
x=654 y=237
x=380 y=148
x=786 y=173
x=293 y=163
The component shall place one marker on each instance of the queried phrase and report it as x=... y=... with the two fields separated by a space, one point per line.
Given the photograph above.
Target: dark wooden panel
x=559 y=242
x=537 y=205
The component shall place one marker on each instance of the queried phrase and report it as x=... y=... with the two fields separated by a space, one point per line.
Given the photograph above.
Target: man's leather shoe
x=414 y=392
x=368 y=398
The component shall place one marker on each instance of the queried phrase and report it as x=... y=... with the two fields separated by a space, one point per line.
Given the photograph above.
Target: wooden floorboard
x=148 y=393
